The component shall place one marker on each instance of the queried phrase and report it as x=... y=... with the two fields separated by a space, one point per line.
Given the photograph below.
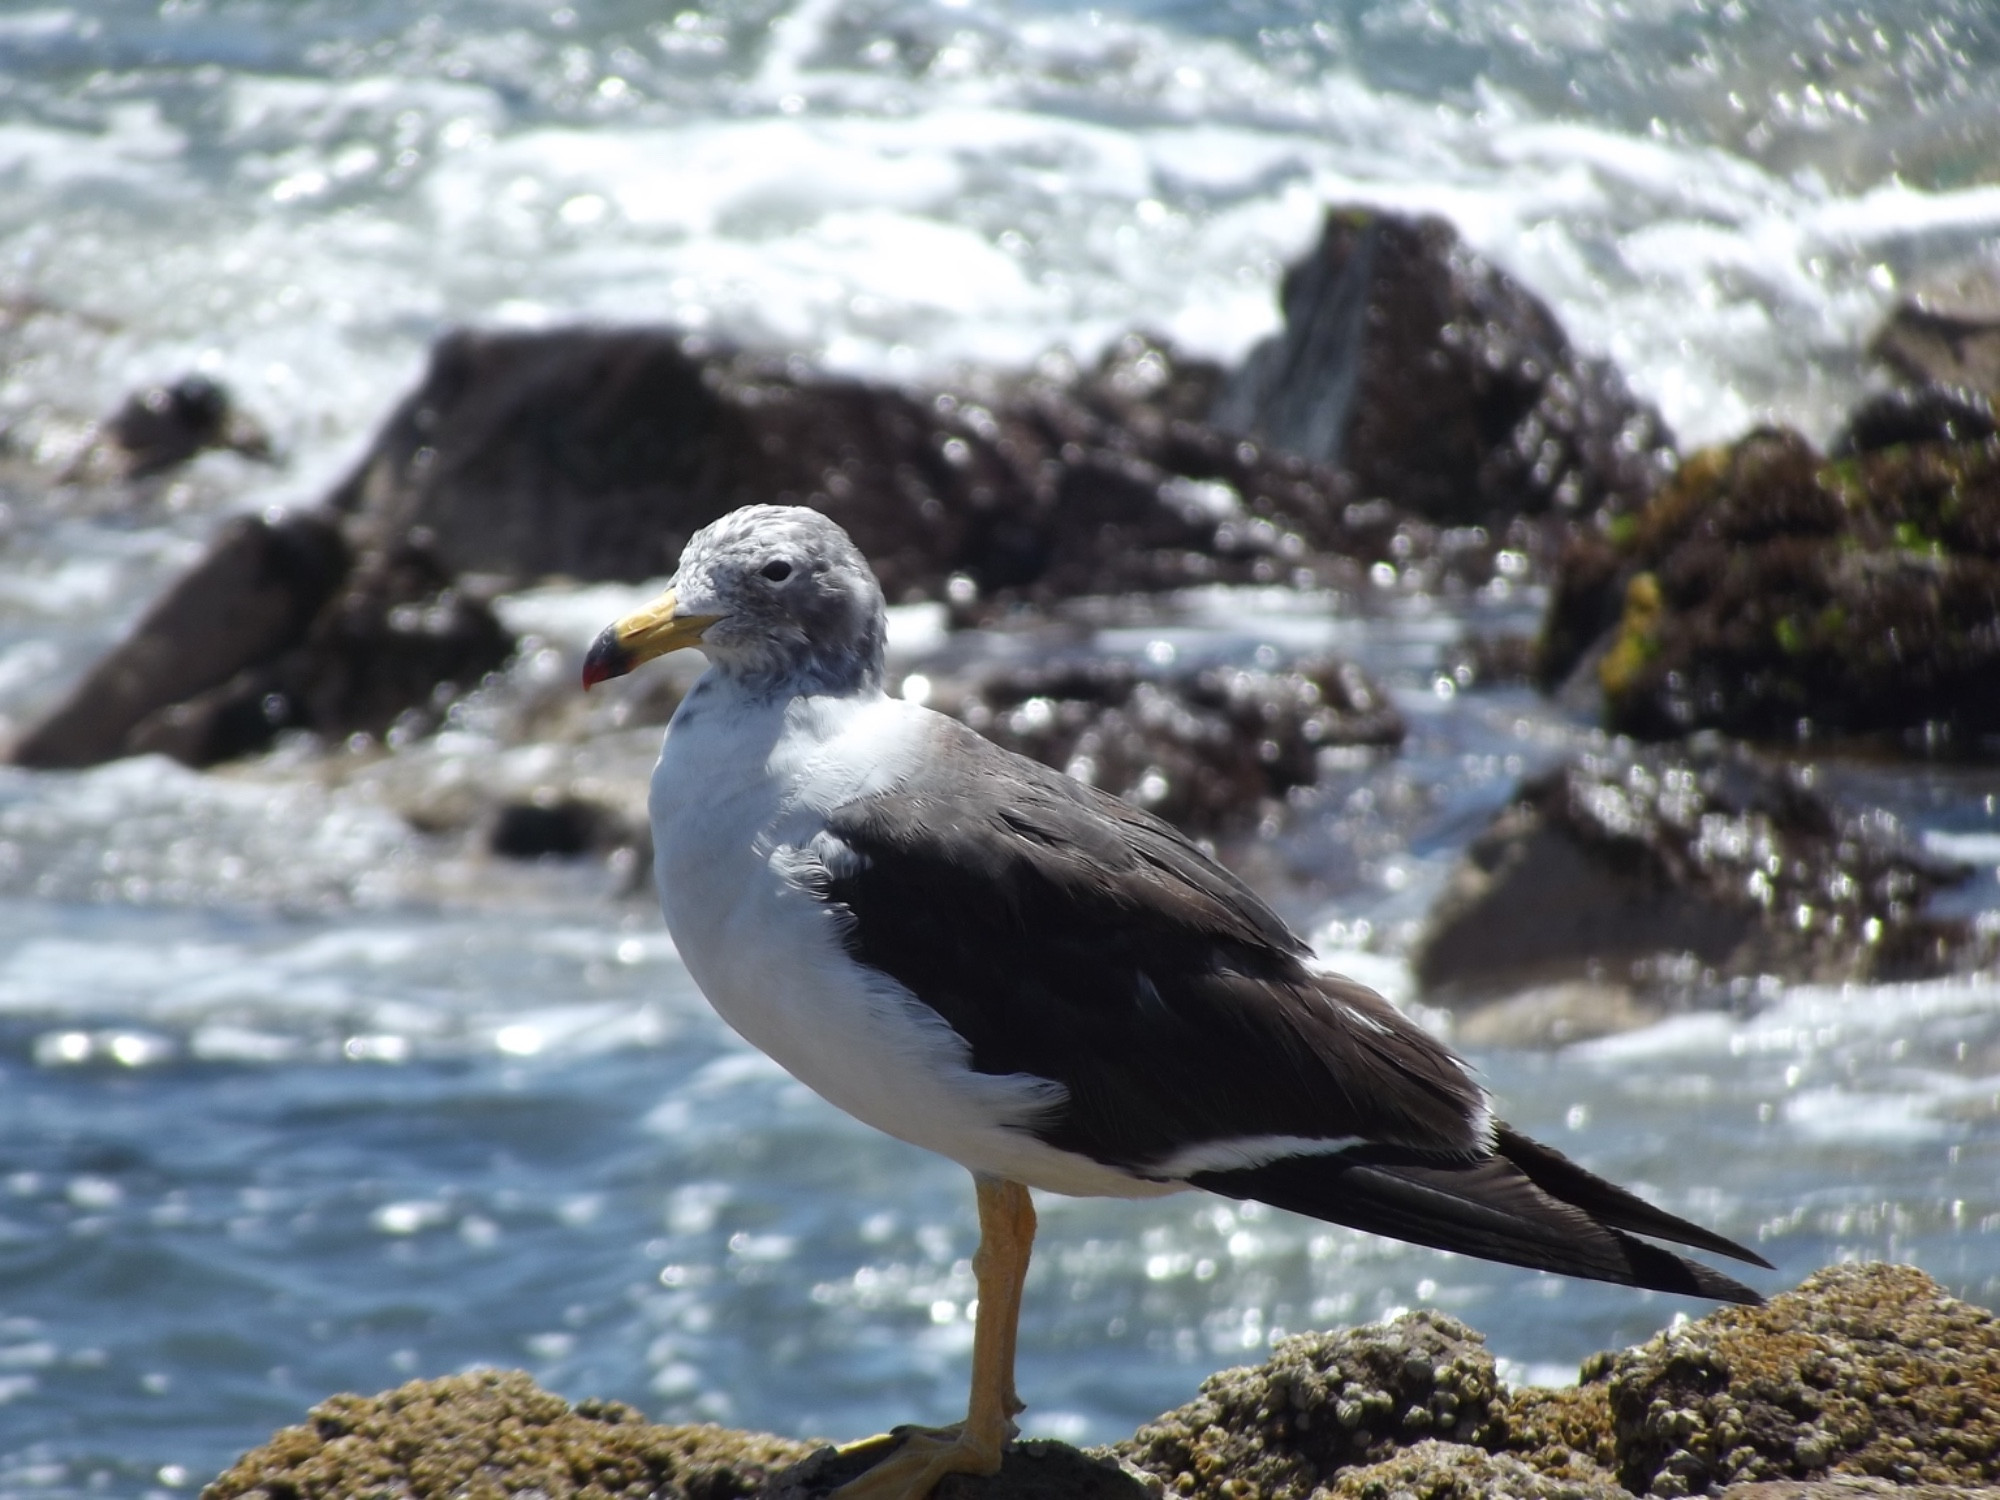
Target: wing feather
x=1067 y=935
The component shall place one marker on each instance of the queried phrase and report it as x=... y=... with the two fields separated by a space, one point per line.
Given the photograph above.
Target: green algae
x=1789 y=597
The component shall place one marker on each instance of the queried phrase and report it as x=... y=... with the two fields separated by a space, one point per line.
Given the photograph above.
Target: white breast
x=739 y=797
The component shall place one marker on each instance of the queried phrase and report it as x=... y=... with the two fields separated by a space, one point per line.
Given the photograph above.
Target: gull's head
x=773 y=594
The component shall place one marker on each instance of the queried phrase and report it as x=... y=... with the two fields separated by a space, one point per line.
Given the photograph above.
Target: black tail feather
x=1606 y=1202
x=1546 y=1213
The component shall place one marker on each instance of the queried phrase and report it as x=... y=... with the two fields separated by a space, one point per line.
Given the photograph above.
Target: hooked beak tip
x=606 y=658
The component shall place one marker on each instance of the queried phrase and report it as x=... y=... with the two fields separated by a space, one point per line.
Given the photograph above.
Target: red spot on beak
x=606 y=658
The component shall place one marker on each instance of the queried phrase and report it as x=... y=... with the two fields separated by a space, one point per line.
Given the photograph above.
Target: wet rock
x=1678 y=871
x=1868 y=1370
x=1035 y=1470
x=1927 y=414
x=529 y=830
x=595 y=453
x=163 y=426
x=1771 y=594
x=1143 y=383
x=1322 y=1403
x=1440 y=383
x=493 y=1435
x=251 y=598
x=384 y=656
x=1948 y=331
x=554 y=825
x=1432 y=1470
x=1205 y=749
x=1489 y=660
x=1585 y=603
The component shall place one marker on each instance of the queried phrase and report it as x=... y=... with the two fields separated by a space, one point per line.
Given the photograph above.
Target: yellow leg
x=974 y=1446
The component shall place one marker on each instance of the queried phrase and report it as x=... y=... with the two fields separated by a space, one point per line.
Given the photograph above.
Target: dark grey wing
x=1066 y=935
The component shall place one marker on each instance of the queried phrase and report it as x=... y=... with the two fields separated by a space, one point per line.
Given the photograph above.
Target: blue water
x=297 y=1099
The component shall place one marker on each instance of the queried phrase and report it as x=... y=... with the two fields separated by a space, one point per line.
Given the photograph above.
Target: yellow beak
x=652 y=631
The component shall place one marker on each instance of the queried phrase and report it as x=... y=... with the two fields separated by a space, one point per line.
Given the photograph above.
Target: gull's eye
x=777 y=571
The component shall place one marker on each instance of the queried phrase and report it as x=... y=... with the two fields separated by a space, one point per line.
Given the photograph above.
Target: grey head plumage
x=778 y=598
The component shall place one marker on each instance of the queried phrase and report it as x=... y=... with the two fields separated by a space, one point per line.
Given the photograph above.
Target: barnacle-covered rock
x=1322 y=1403
x=495 y=1435
x=1860 y=1370
x=1434 y=1470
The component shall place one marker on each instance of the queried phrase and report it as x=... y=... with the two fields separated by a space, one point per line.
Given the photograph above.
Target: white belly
x=729 y=833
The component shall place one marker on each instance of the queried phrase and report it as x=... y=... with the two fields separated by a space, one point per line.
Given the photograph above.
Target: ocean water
x=294 y=1098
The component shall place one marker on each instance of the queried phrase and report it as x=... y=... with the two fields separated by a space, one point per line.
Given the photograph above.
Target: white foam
x=572 y=615
x=1053 y=179
x=1840 y=1114
x=1979 y=848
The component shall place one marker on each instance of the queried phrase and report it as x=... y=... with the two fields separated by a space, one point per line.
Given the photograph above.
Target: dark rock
x=492 y=1435
x=1205 y=749
x=253 y=597
x=402 y=638
x=166 y=425
x=384 y=656
x=1143 y=382
x=1867 y=1370
x=1440 y=383
x=1927 y=414
x=1489 y=660
x=596 y=453
x=560 y=826
x=1322 y=1403
x=1584 y=605
x=1774 y=595
x=1683 y=870
x=1948 y=332
x=1034 y=1470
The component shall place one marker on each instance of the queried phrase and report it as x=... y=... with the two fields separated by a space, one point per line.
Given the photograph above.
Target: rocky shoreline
x=1864 y=1381
x=1421 y=428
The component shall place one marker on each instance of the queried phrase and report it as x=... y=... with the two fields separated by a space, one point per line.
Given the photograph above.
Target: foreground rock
x=1772 y=594
x=1865 y=1382
x=1681 y=870
x=494 y=1434
x=1863 y=1370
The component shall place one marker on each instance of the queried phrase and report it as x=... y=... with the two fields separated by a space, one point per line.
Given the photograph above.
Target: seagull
x=985 y=957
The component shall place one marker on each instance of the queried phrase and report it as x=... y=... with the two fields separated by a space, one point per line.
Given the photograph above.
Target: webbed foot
x=916 y=1458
